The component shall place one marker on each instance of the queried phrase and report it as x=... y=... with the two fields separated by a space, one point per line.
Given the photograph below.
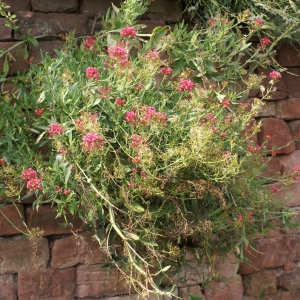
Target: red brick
x=65 y=6
x=12 y=213
x=164 y=10
x=19 y=63
x=17 y=5
x=291 y=77
x=8 y=287
x=47 y=284
x=18 y=254
x=289 y=55
x=288 y=109
x=71 y=250
x=281 y=137
x=295 y=128
x=5 y=32
x=260 y=283
x=92 y=8
x=45 y=218
x=271 y=253
x=51 y=24
x=282 y=90
x=229 y=290
x=94 y=281
x=47 y=47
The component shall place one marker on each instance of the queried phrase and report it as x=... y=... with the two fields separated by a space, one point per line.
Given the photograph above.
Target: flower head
x=91 y=142
x=186 y=85
x=136 y=140
x=92 y=72
x=128 y=32
x=166 y=70
x=34 y=184
x=39 y=111
x=89 y=43
x=29 y=174
x=275 y=75
x=55 y=129
x=131 y=117
x=119 y=102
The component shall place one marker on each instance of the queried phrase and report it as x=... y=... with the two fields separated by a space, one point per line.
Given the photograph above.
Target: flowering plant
x=148 y=141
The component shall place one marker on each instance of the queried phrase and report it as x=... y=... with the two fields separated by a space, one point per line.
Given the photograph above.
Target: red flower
x=275 y=189
x=55 y=129
x=34 y=184
x=91 y=142
x=131 y=117
x=166 y=70
x=39 y=111
x=119 y=102
x=136 y=140
x=186 y=85
x=128 y=32
x=92 y=72
x=89 y=43
x=275 y=75
x=29 y=174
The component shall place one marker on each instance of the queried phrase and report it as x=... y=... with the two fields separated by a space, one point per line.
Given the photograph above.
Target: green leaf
x=136 y=207
x=245 y=46
x=178 y=66
x=149 y=243
x=5 y=66
x=68 y=170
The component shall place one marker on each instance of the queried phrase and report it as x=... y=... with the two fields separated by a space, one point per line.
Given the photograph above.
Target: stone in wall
x=8 y=287
x=289 y=281
x=260 y=283
x=17 y=5
x=51 y=24
x=295 y=128
x=19 y=63
x=14 y=224
x=282 y=89
x=45 y=47
x=5 y=32
x=72 y=250
x=288 y=109
x=54 y=6
x=187 y=292
x=94 y=281
x=151 y=24
x=45 y=219
x=92 y=8
x=291 y=77
x=281 y=138
x=18 y=254
x=271 y=253
x=288 y=55
x=47 y=284
x=229 y=290
x=160 y=10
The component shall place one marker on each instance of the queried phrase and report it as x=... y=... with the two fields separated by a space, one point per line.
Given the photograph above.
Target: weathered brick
x=92 y=8
x=45 y=219
x=288 y=267
x=295 y=128
x=19 y=63
x=72 y=250
x=160 y=10
x=46 y=47
x=281 y=137
x=231 y=289
x=19 y=254
x=51 y=24
x=94 y=281
x=47 y=284
x=54 y=6
x=283 y=295
x=271 y=253
x=17 y=5
x=291 y=77
x=226 y=266
x=282 y=89
x=8 y=287
x=289 y=195
x=11 y=219
x=288 y=109
x=260 y=283
x=187 y=292
x=5 y=32
x=288 y=55
x=289 y=281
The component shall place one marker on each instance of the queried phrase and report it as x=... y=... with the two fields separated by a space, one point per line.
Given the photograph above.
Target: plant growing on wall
x=149 y=141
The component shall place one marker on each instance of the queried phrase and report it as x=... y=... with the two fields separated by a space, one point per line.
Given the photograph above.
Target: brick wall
x=66 y=262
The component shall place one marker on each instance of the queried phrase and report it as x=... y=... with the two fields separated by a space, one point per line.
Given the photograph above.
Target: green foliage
x=148 y=141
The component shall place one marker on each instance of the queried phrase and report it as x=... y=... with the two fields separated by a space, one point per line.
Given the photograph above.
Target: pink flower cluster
x=136 y=140
x=148 y=115
x=128 y=32
x=91 y=142
x=105 y=91
x=60 y=190
x=2 y=162
x=118 y=54
x=226 y=103
x=275 y=75
x=39 y=111
x=166 y=70
x=153 y=54
x=92 y=72
x=186 y=85
x=55 y=129
x=258 y=23
x=119 y=102
x=89 y=43
x=265 y=42
x=32 y=181
x=85 y=121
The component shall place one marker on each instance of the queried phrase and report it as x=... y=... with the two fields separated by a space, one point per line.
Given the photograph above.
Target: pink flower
x=136 y=160
x=89 y=43
x=131 y=117
x=136 y=140
x=186 y=85
x=2 y=162
x=29 y=174
x=211 y=117
x=30 y=59
x=117 y=53
x=265 y=41
x=63 y=151
x=150 y=115
x=34 y=184
x=128 y=32
x=258 y=23
x=153 y=54
x=92 y=72
x=55 y=129
x=166 y=70
x=119 y=102
x=58 y=188
x=275 y=75
x=39 y=111
x=239 y=218
x=275 y=189
x=67 y=192
x=91 y=142
x=104 y=91
x=226 y=103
